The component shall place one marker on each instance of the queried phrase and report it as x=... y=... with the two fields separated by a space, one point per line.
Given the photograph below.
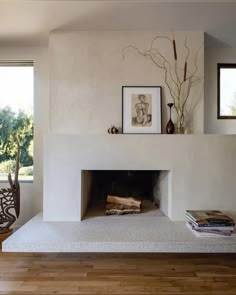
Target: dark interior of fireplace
x=139 y=184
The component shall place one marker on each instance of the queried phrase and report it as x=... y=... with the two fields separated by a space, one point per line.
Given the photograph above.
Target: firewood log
x=118 y=205
x=118 y=209
x=123 y=201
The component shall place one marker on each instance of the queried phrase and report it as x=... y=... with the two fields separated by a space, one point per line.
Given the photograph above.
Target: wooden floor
x=117 y=274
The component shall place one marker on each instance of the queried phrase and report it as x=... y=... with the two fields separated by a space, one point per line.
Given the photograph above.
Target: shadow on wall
x=214 y=42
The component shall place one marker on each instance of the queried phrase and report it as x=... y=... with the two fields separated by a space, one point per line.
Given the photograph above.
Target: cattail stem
x=185 y=70
x=175 y=52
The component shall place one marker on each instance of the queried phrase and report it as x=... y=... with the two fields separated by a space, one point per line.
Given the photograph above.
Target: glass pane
x=227 y=92
x=16 y=119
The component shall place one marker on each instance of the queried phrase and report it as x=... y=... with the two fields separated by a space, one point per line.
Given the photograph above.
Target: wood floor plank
x=126 y=274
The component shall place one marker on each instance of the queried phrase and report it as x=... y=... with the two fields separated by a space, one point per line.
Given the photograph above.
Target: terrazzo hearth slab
x=113 y=234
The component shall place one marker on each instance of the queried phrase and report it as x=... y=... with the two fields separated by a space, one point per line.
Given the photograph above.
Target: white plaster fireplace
x=196 y=165
x=196 y=178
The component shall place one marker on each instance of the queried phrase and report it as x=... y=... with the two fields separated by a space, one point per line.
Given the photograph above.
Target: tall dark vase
x=170 y=127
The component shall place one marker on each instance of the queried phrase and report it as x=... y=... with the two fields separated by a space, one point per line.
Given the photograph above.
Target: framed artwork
x=226 y=91
x=141 y=109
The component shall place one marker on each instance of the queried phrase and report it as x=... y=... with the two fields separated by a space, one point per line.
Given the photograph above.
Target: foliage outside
x=233 y=106
x=28 y=171
x=13 y=127
x=8 y=166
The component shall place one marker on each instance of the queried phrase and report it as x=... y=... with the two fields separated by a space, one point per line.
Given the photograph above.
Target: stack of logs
x=118 y=205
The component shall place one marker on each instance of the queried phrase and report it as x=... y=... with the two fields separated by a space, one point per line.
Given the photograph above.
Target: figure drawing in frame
x=141 y=110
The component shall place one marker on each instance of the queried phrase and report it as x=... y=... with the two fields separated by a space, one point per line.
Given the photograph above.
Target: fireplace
x=186 y=180
x=148 y=186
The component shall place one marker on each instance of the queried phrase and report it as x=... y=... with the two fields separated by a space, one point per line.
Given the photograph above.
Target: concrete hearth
x=133 y=233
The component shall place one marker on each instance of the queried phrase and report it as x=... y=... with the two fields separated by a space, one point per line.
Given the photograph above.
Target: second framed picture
x=141 y=109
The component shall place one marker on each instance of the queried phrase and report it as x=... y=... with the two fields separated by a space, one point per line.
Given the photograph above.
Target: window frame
x=219 y=67
x=18 y=63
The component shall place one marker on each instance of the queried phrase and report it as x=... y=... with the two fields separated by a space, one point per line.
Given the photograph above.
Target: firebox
x=150 y=187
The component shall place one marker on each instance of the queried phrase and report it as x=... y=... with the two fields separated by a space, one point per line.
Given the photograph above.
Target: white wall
x=32 y=193
x=212 y=125
x=87 y=73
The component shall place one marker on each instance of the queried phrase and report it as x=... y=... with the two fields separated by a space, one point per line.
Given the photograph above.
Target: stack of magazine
x=209 y=223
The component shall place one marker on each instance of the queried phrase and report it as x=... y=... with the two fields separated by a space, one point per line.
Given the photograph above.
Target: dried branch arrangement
x=179 y=78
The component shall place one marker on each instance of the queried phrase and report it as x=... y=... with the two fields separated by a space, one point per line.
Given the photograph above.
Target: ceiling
x=29 y=22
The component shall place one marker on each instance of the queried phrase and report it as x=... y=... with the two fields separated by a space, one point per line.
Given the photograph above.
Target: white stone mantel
x=202 y=169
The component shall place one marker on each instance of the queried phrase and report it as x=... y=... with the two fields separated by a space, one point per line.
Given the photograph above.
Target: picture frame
x=141 y=109
x=226 y=91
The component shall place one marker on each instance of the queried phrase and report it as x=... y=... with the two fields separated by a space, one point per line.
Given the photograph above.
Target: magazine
x=208 y=235
x=205 y=228
x=209 y=230
x=209 y=218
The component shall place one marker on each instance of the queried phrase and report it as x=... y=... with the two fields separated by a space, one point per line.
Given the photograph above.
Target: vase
x=170 y=127
x=180 y=129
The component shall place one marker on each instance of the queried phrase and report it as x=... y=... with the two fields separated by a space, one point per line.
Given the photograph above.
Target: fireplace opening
x=146 y=187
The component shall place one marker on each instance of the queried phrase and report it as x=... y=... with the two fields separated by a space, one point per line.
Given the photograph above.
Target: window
x=16 y=117
x=226 y=88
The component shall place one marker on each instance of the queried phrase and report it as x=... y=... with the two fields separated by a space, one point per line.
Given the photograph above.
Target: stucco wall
x=87 y=72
